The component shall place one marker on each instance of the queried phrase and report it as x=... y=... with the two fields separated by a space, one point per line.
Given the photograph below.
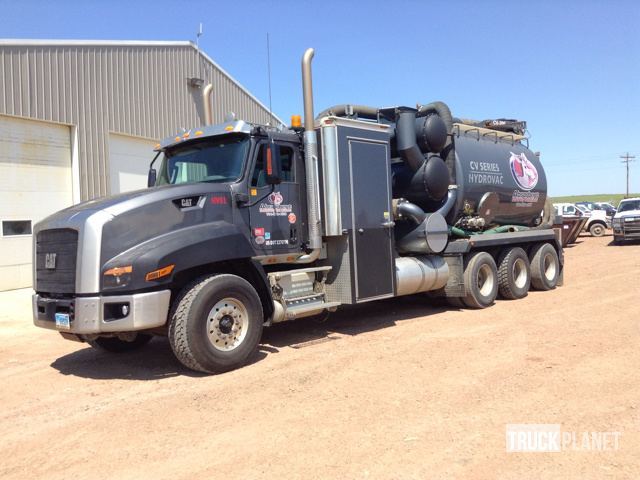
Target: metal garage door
x=129 y=159
x=35 y=181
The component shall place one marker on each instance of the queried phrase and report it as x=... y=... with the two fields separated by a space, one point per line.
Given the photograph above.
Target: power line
x=627 y=158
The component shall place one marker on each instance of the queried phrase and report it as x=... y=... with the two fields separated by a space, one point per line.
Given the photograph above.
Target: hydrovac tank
x=499 y=180
x=476 y=177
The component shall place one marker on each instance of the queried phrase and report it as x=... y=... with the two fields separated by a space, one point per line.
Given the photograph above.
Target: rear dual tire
x=481 y=280
x=545 y=267
x=514 y=274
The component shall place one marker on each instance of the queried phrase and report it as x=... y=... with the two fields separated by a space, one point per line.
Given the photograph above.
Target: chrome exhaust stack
x=311 y=162
x=206 y=103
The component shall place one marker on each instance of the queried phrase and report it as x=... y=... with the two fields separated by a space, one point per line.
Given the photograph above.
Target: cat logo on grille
x=50 y=261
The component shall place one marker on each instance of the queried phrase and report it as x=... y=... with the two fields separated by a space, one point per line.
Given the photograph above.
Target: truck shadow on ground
x=156 y=361
x=623 y=243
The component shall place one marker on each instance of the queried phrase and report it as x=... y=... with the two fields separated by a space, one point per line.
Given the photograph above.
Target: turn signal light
x=119 y=271
x=162 y=272
x=296 y=121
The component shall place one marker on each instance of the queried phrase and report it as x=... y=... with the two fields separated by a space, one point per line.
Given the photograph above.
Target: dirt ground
x=395 y=390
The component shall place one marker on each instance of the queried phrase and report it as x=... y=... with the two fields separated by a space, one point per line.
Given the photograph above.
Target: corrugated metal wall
x=140 y=90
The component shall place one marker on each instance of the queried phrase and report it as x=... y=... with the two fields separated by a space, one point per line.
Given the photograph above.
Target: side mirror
x=272 y=164
x=151 y=178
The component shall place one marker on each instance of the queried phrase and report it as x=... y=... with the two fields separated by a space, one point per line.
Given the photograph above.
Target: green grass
x=613 y=198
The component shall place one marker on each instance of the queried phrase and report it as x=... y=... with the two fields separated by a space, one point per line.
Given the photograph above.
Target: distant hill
x=613 y=198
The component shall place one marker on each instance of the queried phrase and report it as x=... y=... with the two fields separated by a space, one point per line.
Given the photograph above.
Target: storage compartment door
x=371 y=207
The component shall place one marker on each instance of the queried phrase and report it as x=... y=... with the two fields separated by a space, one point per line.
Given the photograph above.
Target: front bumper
x=91 y=315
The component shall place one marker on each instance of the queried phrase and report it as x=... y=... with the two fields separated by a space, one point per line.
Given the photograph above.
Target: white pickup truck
x=626 y=221
x=598 y=221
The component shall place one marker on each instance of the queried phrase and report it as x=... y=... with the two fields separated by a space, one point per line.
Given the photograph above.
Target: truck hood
x=115 y=205
x=112 y=225
x=627 y=213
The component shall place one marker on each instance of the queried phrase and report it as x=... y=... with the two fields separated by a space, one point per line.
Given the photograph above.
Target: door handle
x=389 y=224
x=361 y=230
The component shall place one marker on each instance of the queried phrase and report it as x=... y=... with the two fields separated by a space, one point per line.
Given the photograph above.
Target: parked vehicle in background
x=607 y=207
x=597 y=222
x=591 y=206
x=626 y=221
x=588 y=205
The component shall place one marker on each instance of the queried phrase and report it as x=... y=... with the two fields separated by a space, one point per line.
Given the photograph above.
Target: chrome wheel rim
x=519 y=272
x=598 y=229
x=549 y=267
x=227 y=324
x=485 y=280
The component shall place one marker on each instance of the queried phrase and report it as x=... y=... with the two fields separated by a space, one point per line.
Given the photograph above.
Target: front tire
x=481 y=280
x=597 y=230
x=216 y=323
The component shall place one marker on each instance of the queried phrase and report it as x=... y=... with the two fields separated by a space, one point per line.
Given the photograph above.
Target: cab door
x=275 y=212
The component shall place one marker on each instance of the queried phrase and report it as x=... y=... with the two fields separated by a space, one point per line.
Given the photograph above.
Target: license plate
x=62 y=321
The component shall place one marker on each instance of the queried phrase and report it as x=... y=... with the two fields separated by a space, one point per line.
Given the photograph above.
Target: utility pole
x=627 y=158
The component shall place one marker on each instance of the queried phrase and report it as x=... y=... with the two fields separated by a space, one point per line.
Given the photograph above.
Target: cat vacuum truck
x=244 y=226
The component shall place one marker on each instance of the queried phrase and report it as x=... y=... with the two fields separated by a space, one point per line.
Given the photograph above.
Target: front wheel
x=597 y=230
x=216 y=323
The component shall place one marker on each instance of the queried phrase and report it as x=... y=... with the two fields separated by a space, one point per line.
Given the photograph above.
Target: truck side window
x=286 y=163
x=259 y=178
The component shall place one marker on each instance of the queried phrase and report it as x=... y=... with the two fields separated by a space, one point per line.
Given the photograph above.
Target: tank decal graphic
x=486 y=173
x=524 y=171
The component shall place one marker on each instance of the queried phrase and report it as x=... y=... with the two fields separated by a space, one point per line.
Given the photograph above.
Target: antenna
x=198 y=35
x=269 y=78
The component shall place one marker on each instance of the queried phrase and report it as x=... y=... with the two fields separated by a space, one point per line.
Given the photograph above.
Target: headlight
x=117 y=277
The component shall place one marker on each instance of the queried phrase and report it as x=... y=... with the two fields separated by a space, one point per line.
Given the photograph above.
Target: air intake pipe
x=406 y=139
x=362 y=111
x=311 y=162
x=206 y=103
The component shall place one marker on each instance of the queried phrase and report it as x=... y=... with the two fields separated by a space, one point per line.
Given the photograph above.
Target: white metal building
x=79 y=119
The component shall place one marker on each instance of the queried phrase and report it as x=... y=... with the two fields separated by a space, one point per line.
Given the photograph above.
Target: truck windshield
x=631 y=205
x=212 y=160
